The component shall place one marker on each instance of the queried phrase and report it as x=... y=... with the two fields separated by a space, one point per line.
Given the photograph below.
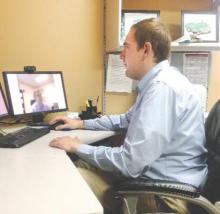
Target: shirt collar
x=151 y=74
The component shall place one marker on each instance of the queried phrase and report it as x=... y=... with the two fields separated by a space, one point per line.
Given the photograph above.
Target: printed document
x=117 y=81
x=196 y=69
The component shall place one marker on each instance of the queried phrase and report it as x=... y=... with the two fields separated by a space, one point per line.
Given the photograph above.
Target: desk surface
x=38 y=179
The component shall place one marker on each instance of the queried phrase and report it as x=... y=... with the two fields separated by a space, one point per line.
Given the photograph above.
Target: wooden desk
x=38 y=179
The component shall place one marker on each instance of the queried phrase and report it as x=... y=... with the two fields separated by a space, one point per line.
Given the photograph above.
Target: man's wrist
x=82 y=124
x=74 y=148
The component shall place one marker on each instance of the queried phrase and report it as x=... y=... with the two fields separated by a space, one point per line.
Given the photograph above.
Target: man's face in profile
x=132 y=57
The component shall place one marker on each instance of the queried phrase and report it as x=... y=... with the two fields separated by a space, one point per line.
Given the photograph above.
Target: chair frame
x=130 y=190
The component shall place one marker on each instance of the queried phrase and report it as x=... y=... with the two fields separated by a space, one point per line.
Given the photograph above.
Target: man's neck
x=146 y=68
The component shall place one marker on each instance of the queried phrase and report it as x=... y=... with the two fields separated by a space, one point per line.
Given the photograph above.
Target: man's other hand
x=69 y=144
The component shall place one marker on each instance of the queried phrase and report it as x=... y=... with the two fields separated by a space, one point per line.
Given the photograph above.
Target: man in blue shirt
x=165 y=136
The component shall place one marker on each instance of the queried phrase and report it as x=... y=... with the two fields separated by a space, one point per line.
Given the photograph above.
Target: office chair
x=207 y=200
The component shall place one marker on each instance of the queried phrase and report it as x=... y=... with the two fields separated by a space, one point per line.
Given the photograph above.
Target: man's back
x=182 y=137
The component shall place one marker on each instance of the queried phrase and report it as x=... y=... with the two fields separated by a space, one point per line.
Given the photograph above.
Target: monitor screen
x=3 y=106
x=32 y=93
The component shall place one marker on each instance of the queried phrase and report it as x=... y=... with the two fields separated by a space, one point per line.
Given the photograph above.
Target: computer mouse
x=58 y=123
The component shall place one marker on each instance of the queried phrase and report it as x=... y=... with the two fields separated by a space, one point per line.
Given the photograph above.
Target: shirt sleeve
x=110 y=122
x=148 y=133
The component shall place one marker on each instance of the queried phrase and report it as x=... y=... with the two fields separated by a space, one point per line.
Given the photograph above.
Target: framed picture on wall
x=200 y=26
x=130 y=17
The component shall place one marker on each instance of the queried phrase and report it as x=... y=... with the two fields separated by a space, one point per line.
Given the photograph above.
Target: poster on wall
x=130 y=17
x=200 y=26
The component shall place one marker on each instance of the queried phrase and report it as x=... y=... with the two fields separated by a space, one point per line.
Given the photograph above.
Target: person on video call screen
x=38 y=105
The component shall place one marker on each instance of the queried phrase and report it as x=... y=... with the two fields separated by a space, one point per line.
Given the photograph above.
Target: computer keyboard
x=21 y=137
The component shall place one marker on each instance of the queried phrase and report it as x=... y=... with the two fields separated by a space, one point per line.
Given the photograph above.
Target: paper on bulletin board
x=117 y=81
x=196 y=69
x=201 y=93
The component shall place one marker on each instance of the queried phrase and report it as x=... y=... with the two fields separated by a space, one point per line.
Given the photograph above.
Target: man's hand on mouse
x=68 y=123
x=69 y=144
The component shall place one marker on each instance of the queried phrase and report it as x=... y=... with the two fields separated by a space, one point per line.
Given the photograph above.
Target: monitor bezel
x=3 y=116
x=8 y=94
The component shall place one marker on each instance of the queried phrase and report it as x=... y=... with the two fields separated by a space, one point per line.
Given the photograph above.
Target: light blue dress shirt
x=165 y=136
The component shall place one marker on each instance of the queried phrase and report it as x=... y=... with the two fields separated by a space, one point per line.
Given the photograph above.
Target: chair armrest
x=170 y=187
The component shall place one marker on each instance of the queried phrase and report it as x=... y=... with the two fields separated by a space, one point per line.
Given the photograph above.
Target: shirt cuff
x=89 y=124
x=84 y=151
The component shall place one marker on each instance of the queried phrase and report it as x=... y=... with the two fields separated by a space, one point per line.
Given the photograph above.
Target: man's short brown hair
x=153 y=31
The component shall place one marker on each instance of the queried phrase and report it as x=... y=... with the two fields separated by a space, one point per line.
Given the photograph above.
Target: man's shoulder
x=174 y=80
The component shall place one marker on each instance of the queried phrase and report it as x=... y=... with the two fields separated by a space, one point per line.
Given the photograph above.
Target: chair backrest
x=212 y=129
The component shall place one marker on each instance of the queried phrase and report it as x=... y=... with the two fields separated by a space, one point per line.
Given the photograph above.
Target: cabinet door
x=112 y=23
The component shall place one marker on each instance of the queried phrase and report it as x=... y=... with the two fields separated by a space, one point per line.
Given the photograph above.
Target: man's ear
x=147 y=48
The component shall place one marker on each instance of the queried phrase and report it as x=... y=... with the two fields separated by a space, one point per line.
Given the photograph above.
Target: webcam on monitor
x=29 y=69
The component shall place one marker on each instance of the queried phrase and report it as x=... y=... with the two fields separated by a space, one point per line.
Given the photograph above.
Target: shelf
x=183 y=47
x=176 y=47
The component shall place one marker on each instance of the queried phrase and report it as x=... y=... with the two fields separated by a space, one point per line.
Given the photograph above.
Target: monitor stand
x=37 y=120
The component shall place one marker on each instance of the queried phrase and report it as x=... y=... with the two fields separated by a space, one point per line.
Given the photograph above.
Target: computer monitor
x=35 y=93
x=3 y=106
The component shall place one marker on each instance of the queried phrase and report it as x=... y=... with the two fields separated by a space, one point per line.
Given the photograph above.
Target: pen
x=90 y=102
x=97 y=100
